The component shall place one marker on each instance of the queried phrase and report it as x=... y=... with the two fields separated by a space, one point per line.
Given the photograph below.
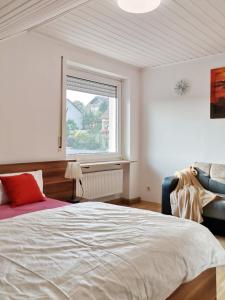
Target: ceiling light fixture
x=138 y=6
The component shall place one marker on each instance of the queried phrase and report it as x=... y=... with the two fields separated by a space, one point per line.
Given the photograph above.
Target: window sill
x=106 y=163
x=91 y=159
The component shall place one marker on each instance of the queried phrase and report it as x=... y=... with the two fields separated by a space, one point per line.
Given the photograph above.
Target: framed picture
x=217 y=100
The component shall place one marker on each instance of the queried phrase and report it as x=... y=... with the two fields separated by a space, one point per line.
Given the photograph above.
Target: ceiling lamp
x=138 y=6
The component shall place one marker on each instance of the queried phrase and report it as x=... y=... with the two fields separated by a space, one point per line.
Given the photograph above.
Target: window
x=92 y=116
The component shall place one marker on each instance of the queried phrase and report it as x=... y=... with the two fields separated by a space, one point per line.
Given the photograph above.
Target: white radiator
x=101 y=184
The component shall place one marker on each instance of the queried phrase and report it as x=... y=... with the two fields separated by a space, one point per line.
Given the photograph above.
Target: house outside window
x=93 y=109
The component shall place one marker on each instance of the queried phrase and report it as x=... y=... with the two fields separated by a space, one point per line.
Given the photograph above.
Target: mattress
x=101 y=252
x=6 y=211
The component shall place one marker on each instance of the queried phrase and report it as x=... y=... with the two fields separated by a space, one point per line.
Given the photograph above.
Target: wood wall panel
x=55 y=185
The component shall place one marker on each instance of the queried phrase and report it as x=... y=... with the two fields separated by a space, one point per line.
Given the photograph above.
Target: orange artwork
x=217 y=102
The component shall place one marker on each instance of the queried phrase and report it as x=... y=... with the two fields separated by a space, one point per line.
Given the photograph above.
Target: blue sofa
x=212 y=178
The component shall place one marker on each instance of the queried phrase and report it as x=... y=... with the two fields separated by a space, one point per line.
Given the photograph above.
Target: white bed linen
x=101 y=251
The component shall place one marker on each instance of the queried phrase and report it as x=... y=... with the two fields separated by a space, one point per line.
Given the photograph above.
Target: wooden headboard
x=55 y=185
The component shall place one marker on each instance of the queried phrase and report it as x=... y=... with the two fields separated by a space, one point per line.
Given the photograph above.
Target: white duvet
x=101 y=251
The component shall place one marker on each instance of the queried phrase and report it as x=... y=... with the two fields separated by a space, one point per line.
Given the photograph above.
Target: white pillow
x=37 y=176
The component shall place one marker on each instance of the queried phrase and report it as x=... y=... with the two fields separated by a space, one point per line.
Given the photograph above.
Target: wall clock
x=182 y=87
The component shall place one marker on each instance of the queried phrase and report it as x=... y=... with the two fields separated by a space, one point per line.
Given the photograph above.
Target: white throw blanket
x=189 y=197
x=97 y=251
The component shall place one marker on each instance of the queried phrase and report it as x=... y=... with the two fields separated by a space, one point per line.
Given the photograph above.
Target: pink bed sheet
x=6 y=211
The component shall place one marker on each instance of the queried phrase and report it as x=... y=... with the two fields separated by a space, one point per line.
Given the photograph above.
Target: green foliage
x=85 y=140
x=71 y=127
x=90 y=137
x=92 y=121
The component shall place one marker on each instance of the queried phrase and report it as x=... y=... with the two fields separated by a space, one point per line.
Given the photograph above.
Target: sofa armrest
x=168 y=185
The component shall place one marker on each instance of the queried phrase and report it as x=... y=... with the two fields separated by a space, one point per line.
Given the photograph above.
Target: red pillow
x=21 y=189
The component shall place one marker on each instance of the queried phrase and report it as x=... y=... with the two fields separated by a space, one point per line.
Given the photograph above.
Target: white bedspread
x=101 y=251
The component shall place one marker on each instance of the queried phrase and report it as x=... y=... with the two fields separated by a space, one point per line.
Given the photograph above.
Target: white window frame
x=102 y=78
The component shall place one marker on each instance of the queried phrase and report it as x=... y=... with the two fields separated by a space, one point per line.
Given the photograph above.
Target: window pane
x=91 y=121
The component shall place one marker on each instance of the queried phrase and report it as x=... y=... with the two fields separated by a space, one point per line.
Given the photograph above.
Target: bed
x=6 y=211
x=101 y=251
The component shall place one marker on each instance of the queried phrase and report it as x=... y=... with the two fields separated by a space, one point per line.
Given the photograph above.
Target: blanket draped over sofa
x=189 y=197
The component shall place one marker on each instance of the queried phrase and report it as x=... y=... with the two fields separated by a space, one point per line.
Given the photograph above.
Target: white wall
x=177 y=130
x=30 y=97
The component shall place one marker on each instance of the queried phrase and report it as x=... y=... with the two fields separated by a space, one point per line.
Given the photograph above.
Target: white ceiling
x=178 y=30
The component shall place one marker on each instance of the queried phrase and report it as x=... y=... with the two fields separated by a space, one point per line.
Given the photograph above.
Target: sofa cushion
x=211 y=176
x=217 y=178
x=215 y=209
x=203 y=173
